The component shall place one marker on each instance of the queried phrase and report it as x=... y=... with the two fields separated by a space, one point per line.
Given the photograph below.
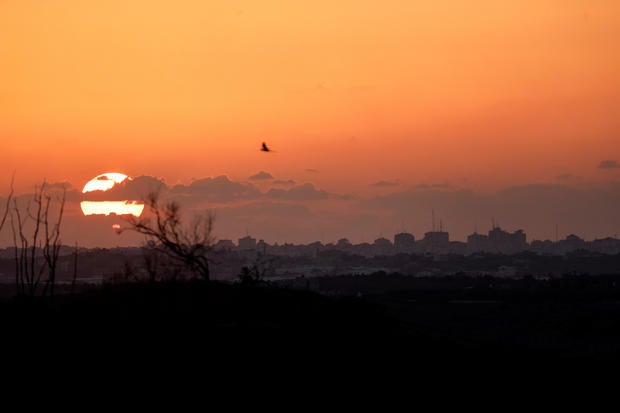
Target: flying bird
x=264 y=148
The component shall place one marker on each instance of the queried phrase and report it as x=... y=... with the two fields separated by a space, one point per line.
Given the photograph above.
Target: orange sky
x=477 y=93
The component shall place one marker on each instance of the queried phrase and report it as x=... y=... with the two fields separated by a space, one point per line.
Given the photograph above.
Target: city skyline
x=496 y=241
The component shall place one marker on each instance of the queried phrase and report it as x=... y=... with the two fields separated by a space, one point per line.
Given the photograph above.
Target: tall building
x=262 y=246
x=224 y=245
x=247 y=243
x=607 y=245
x=382 y=246
x=436 y=242
x=404 y=242
x=570 y=244
x=506 y=243
x=478 y=243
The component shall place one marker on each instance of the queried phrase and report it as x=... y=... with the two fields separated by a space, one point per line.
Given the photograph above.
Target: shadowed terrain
x=458 y=320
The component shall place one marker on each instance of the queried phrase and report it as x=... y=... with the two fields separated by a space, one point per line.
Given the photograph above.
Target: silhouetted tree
x=75 y=268
x=186 y=243
x=36 y=236
x=52 y=242
x=7 y=207
x=256 y=272
x=151 y=258
x=247 y=275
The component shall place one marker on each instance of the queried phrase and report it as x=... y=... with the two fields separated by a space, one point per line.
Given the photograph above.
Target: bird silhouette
x=264 y=148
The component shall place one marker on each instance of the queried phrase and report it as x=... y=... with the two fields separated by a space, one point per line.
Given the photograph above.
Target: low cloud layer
x=261 y=176
x=384 y=184
x=609 y=164
x=432 y=186
x=306 y=192
x=568 y=178
x=130 y=189
x=281 y=182
x=305 y=213
x=218 y=190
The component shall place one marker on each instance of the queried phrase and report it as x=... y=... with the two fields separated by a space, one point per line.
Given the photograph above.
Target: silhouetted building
x=224 y=245
x=478 y=243
x=435 y=242
x=314 y=248
x=457 y=247
x=247 y=243
x=570 y=244
x=343 y=243
x=404 y=242
x=262 y=246
x=363 y=249
x=607 y=245
x=503 y=242
x=546 y=247
x=382 y=246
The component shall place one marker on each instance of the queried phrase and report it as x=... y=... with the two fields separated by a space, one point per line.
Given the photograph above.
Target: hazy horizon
x=303 y=212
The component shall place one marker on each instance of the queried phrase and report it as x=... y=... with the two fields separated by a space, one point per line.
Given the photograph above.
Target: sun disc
x=105 y=182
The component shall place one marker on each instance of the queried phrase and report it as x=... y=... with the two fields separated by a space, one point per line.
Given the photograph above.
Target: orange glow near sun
x=105 y=182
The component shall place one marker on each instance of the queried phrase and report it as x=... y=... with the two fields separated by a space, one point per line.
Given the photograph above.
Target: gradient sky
x=477 y=94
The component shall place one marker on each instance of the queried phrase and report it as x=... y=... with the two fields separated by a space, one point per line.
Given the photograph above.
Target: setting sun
x=104 y=183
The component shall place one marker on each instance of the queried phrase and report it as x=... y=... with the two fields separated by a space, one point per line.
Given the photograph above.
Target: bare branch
x=39 y=240
x=186 y=244
x=8 y=203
